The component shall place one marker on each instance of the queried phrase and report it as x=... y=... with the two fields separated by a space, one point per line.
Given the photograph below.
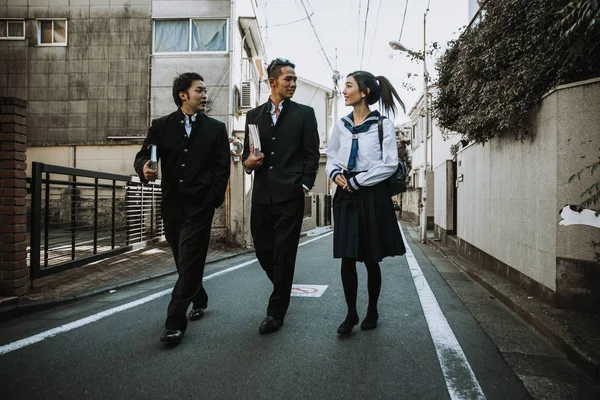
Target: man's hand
x=254 y=162
x=341 y=181
x=150 y=174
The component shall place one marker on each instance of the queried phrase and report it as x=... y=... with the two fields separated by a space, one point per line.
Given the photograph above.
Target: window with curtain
x=209 y=35
x=12 y=29
x=190 y=35
x=52 y=32
x=171 y=36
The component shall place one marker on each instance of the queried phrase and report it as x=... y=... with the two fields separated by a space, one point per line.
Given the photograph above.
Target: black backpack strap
x=380 y=129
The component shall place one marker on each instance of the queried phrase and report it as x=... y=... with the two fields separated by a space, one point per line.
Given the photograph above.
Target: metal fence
x=78 y=216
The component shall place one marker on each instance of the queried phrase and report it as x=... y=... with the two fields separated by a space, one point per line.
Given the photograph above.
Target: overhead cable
x=289 y=23
x=317 y=36
x=375 y=31
x=362 y=55
x=403 y=19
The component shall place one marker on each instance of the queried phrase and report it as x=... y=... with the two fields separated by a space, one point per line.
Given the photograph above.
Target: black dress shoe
x=195 y=314
x=172 y=336
x=370 y=321
x=346 y=327
x=270 y=325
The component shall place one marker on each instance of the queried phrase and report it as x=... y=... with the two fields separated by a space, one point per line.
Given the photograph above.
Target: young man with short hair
x=194 y=153
x=284 y=172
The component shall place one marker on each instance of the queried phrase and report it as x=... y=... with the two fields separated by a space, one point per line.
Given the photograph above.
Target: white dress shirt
x=273 y=115
x=188 y=123
x=373 y=165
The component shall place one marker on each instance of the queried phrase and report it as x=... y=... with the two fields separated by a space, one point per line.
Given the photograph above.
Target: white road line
x=317 y=238
x=460 y=379
x=96 y=317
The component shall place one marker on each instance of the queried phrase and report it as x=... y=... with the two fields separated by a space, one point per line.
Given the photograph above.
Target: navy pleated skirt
x=365 y=226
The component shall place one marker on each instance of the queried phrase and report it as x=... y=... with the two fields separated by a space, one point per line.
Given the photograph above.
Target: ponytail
x=388 y=93
x=383 y=91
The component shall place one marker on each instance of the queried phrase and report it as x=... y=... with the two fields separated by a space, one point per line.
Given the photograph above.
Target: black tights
x=350 y=283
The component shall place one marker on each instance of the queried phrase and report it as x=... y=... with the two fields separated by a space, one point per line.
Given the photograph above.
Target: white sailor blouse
x=371 y=165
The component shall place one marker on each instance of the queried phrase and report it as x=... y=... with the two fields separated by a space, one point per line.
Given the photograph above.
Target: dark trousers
x=188 y=236
x=276 y=233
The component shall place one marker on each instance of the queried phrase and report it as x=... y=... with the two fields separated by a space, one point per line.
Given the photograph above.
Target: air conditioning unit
x=247 y=95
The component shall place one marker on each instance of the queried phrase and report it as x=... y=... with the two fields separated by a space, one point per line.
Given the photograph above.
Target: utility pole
x=396 y=45
x=426 y=130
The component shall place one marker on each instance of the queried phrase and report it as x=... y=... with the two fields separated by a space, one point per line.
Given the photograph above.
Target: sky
x=340 y=27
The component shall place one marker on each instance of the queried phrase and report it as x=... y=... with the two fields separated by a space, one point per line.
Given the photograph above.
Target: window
x=190 y=36
x=52 y=32
x=12 y=29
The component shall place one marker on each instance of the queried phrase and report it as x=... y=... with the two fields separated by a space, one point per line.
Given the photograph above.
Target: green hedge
x=493 y=75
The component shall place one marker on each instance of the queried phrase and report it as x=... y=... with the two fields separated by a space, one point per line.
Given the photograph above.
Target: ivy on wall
x=493 y=75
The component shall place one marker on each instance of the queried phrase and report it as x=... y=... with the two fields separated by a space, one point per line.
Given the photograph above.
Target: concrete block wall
x=444 y=196
x=510 y=200
x=96 y=86
x=505 y=202
x=411 y=205
x=14 y=273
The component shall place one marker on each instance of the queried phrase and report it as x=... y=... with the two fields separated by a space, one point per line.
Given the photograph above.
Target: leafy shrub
x=493 y=75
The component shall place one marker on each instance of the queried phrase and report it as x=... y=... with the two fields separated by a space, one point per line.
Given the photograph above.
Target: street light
x=396 y=45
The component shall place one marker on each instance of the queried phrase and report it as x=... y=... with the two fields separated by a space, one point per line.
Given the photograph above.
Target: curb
x=542 y=323
x=16 y=309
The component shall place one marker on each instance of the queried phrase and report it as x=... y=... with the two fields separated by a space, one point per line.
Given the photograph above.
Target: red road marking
x=304 y=290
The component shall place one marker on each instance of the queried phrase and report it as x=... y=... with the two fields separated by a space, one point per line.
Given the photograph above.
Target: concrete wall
x=577 y=110
x=512 y=193
x=322 y=183
x=96 y=86
x=115 y=159
x=444 y=196
x=411 y=200
x=214 y=68
x=430 y=197
x=506 y=202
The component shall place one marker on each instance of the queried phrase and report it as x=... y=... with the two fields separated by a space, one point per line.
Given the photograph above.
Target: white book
x=254 y=138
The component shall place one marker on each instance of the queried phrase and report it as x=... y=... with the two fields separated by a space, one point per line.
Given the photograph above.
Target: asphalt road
x=439 y=336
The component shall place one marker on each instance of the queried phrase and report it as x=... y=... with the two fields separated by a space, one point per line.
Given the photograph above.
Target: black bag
x=396 y=182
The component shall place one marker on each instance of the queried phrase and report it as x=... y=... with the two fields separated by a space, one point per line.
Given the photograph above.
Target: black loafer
x=270 y=325
x=370 y=321
x=195 y=314
x=172 y=336
x=346 y=327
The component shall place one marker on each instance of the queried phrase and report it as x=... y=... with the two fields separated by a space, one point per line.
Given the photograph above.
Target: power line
x=375 y=32
x=289 y=23
x=365 y=34
x=358 y=30
x=350 y=9
x=312 y=98
x=404 y=19
x=317 y=36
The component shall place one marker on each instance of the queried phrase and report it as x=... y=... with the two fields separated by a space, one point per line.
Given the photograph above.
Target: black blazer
x=291 y=149
x=194 y=170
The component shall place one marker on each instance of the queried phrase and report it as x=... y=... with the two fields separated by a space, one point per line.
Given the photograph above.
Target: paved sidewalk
x=112 y=273
x=575 y=333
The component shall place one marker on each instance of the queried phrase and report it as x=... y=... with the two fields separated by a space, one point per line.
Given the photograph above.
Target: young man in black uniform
x=284 y=172
x=194 y=153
